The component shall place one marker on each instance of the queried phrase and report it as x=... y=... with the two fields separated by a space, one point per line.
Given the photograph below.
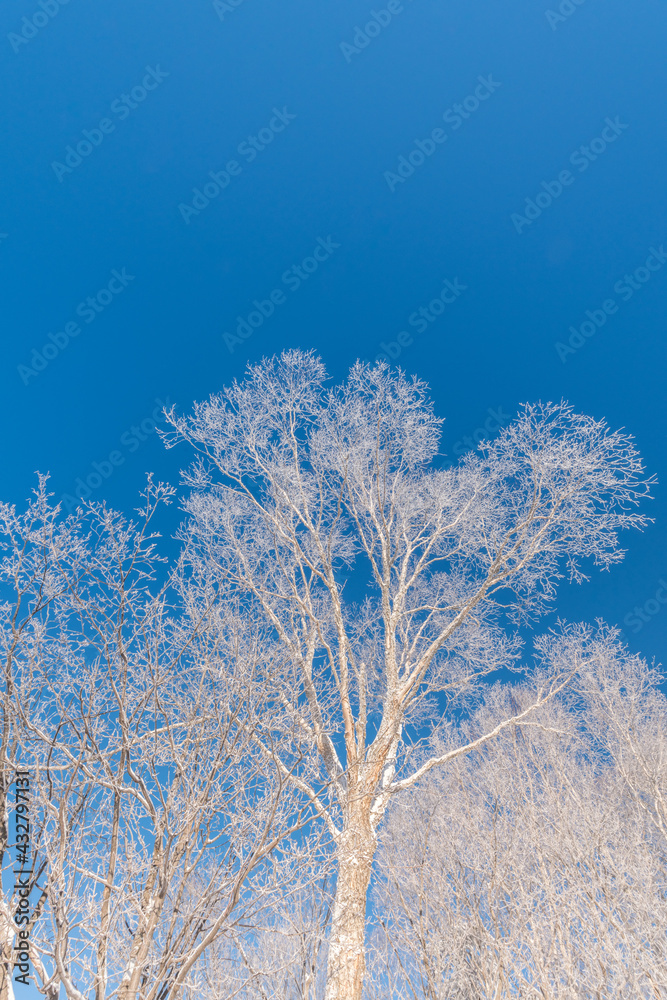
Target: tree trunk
x=6 y=953
x=346 y=965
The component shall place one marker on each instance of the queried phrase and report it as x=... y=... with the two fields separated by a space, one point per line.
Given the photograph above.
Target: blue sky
x=338 y=213
x=362 y=158
x=348 y=172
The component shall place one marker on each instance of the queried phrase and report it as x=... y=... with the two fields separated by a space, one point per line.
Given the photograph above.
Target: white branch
x=399 y=786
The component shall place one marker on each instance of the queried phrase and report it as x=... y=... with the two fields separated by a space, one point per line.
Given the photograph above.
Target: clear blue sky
x=320 y=132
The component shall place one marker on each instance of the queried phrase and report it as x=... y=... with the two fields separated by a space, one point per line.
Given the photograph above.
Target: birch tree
x=132 y=698
x=537 y=866
x=392 y=584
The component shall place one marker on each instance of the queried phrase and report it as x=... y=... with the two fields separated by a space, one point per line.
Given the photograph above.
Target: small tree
x=133 y=699
x=389 y=581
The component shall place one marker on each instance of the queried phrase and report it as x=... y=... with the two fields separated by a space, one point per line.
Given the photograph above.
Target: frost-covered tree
x=133 y=700
x=279 y=956
x=389 y=583
x=537 y=865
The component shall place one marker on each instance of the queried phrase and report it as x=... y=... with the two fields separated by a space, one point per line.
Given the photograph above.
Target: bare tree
x=278 y=957
x=133 y=696
x=30 y=583
x=388 y=580
x=537 y=866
